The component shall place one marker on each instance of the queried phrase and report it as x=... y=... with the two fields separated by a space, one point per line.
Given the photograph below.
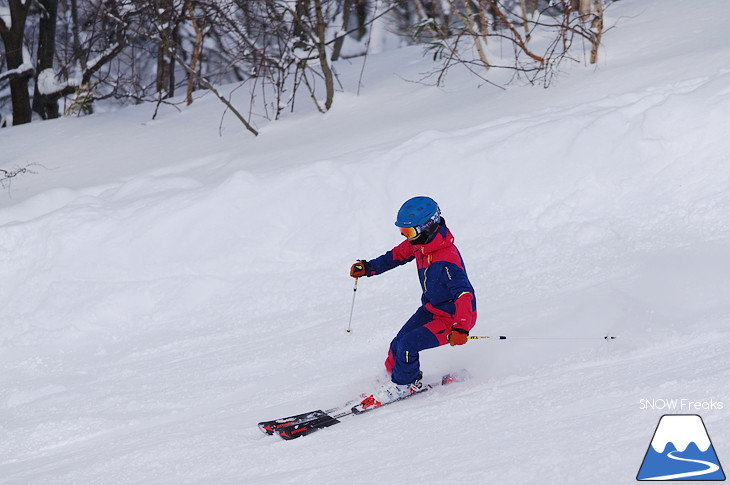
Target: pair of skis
x=304 y=424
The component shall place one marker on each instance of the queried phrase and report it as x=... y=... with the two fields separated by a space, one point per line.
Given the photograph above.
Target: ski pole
x=504 y=337
x=352 y=308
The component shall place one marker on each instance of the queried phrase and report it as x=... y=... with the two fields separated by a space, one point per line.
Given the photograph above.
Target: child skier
x=448 y=307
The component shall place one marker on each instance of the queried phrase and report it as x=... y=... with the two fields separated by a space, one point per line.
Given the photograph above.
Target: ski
x=308 y=427
x=304 y=424
x=271 y=427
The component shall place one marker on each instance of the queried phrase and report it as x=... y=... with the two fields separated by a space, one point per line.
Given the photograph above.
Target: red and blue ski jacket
x=447 y=291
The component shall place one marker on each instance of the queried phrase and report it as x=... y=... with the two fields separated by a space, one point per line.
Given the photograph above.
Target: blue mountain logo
x=681 y=450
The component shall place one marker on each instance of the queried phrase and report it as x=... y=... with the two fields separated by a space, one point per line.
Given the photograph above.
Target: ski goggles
x=410 y=232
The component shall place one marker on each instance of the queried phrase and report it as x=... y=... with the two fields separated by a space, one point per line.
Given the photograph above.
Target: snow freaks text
x=683 y=405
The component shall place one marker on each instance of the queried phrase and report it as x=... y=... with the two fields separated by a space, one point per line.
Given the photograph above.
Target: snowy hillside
x=165 y=288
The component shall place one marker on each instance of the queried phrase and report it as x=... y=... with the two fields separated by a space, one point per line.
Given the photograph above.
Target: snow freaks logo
x=681 y=450
x=681 y=405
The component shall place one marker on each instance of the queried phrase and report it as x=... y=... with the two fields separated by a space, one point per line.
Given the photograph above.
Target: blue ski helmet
x=417 y=216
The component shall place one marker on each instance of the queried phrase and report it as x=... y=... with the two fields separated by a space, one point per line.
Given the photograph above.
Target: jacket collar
x=442 y=239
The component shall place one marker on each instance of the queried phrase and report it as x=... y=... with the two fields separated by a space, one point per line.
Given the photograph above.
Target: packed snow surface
x=168 y=283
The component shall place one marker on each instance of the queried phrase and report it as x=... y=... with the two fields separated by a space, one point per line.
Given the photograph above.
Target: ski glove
x=359 y=269
x=458 y=336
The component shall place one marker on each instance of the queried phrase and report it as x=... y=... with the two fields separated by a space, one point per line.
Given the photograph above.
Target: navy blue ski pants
x=422 y=331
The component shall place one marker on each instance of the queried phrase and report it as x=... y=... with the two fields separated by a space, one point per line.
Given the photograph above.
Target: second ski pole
x=504 y=337
x=352 y=308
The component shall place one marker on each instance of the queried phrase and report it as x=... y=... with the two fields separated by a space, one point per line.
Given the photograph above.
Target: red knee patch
x=440 y=327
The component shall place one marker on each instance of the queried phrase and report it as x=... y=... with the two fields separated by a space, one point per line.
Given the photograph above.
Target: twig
x=7 y=176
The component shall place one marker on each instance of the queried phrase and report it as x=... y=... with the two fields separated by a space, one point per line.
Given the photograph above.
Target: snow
x=47 y=83
x=6 y=18
x=91 y=64
x=25 y=68
x=165 y=287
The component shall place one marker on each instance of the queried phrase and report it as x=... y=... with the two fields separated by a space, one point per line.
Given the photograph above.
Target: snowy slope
x=165 y=288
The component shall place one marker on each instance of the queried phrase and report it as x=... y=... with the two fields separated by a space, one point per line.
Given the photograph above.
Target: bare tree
x=287 y=47
x=511 y=24
x=134 y=51
x=20 y=68
x=46 y=106
x=56 y=73
x=347 y=8
x=104 y=41
x=595 y=33
x=197 y=47
x=310 y=21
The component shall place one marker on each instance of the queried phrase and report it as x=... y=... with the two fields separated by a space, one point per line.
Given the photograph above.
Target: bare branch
x=7 y=176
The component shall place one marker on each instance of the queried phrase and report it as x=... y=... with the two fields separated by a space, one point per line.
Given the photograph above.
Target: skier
x=448 y=307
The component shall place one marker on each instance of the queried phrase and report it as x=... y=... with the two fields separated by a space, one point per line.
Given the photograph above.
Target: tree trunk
x=597 y=31
x=337 y=47
x=13 y=41
x=301 y=14
x=361 y=10
x=584 y=8
x=165 y=64
x=46 y=106
x=75 y=30
x=525 y=17
x=196 y=51
x=320 y=30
